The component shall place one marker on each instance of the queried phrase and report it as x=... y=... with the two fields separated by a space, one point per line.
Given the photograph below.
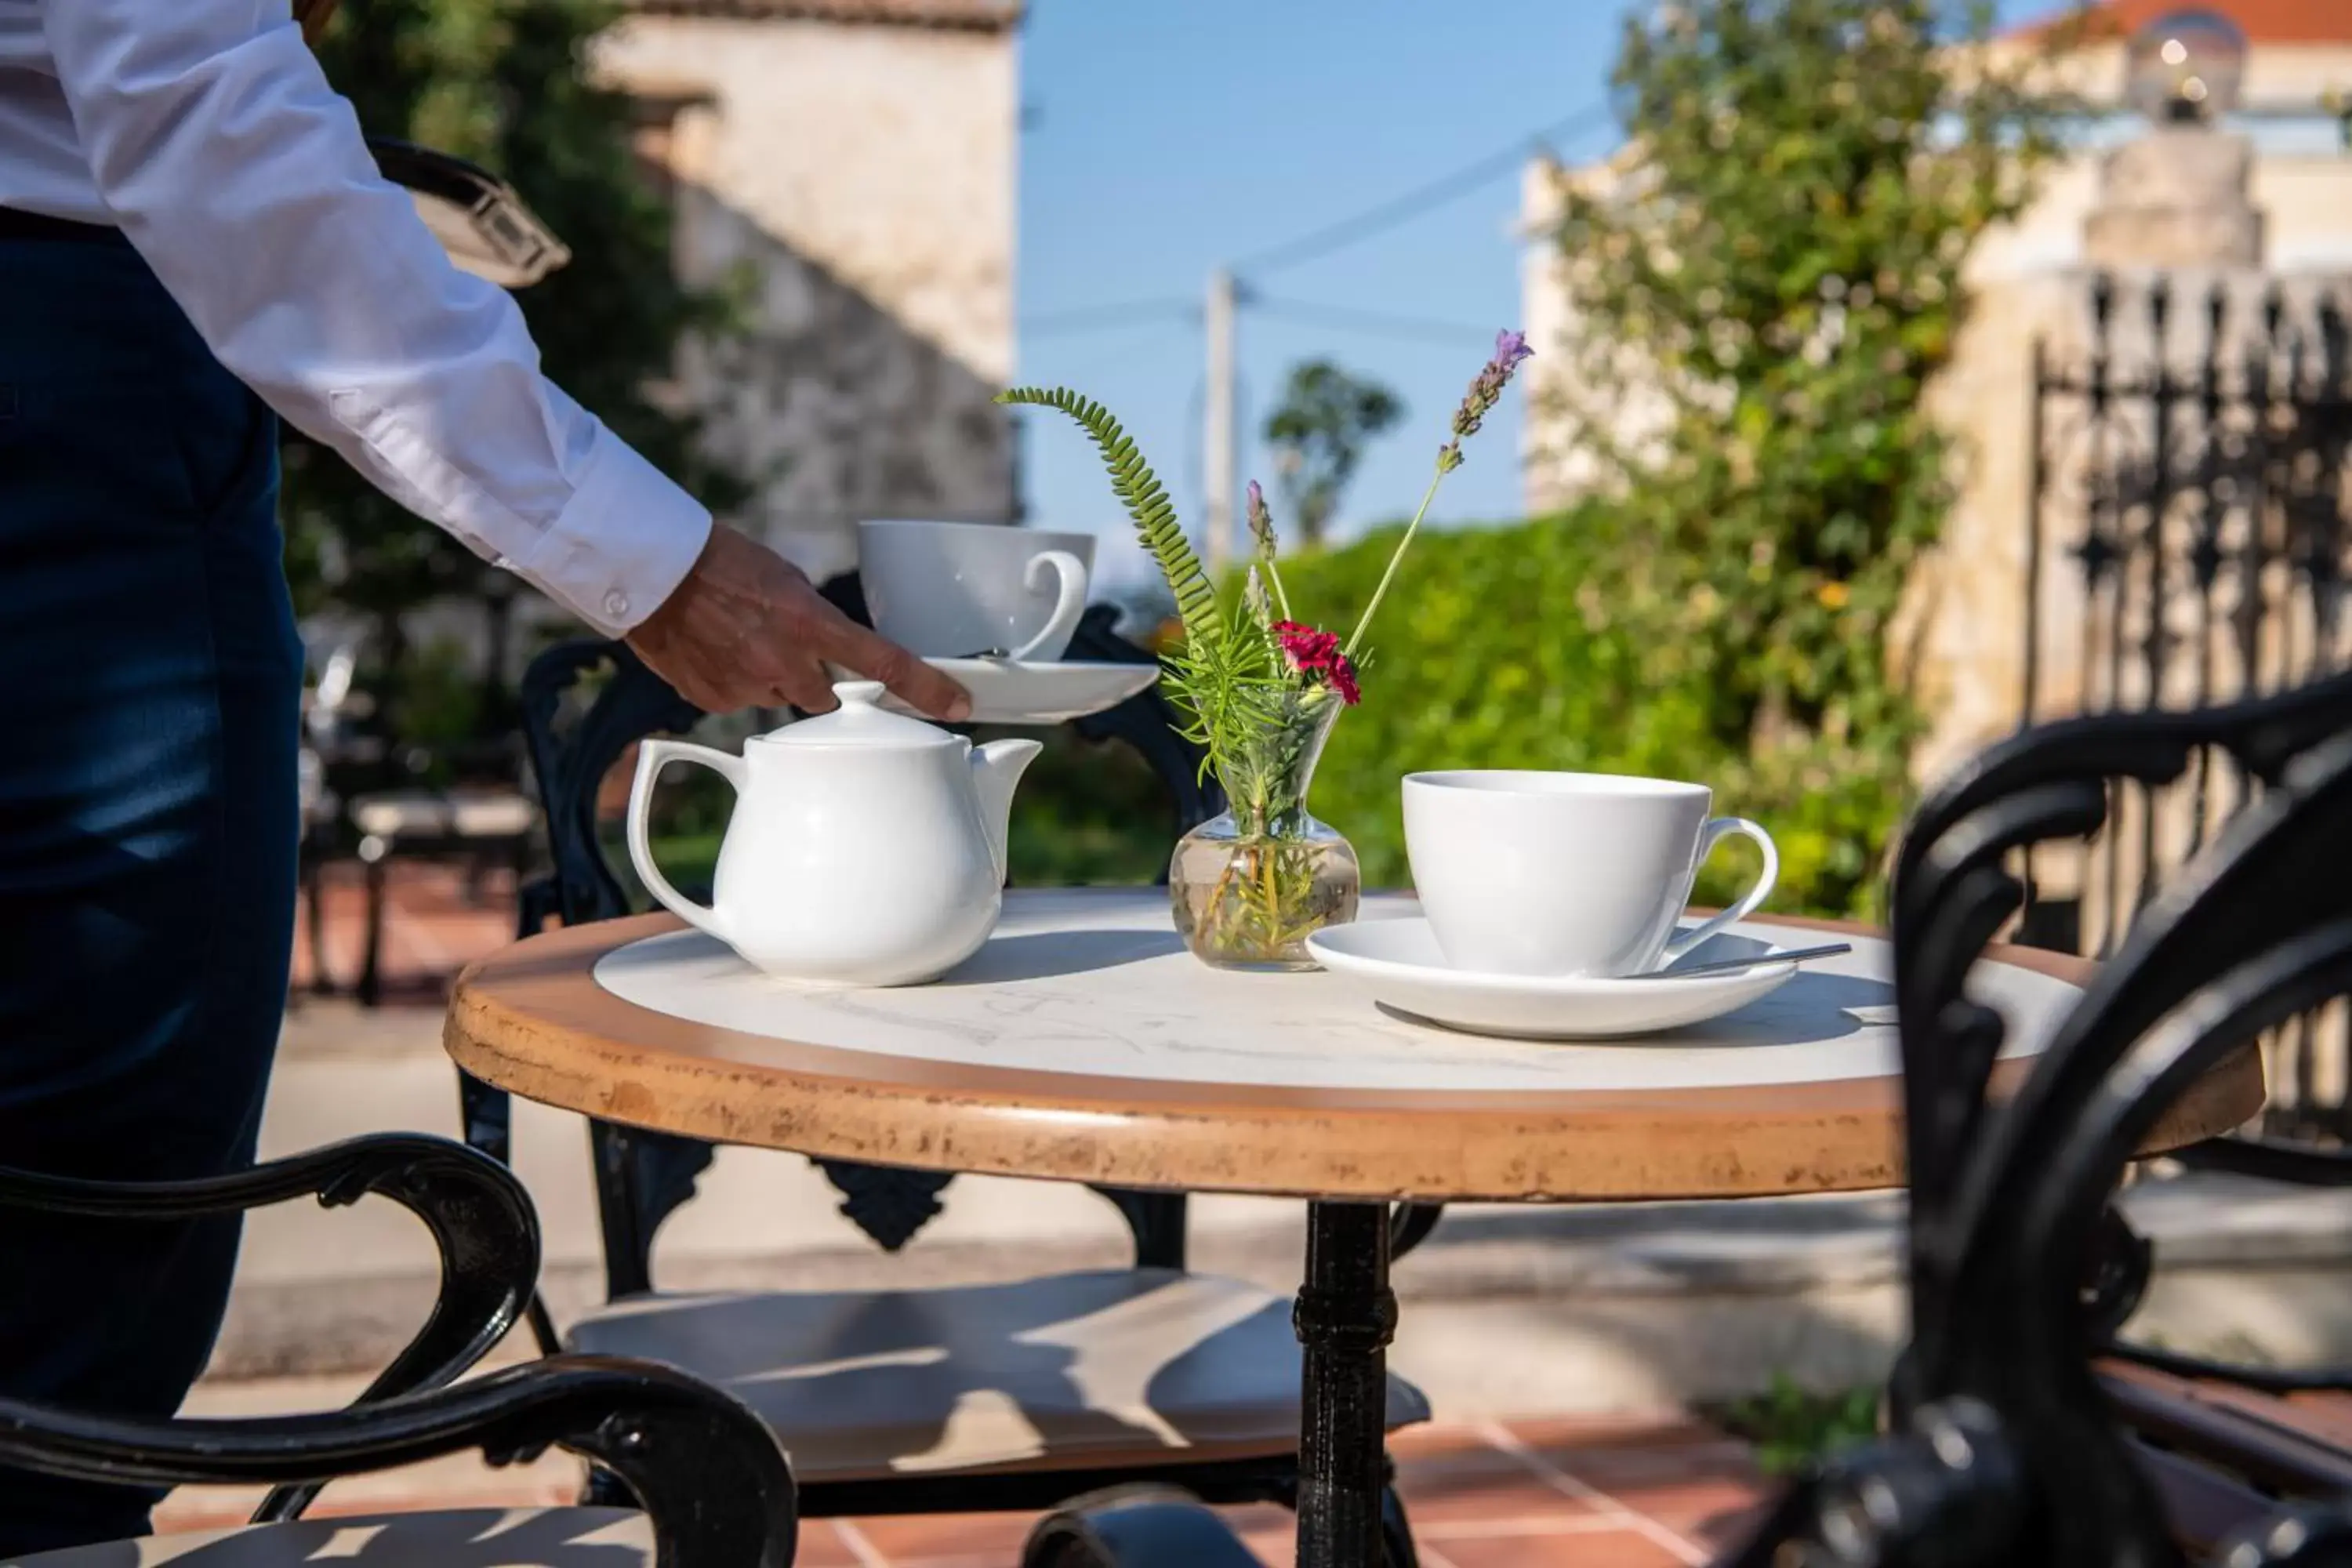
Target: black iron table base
x=1346 y=1315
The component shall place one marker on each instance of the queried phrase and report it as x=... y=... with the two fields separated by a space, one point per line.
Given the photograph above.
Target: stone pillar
x=2176 y=196
x=2175 y=200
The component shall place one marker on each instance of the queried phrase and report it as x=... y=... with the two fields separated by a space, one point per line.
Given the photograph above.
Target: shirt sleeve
x=244 y=180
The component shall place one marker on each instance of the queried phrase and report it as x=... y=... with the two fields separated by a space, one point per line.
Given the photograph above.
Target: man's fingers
x=746 y=628
x=803 y=683
x=871 y=656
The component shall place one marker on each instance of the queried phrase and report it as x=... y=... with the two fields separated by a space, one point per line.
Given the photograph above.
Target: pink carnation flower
x=1312 y=651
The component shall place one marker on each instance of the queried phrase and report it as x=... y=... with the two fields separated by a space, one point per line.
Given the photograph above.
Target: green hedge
x=1087 y=816
x=1530 y=646
x=1513 y=647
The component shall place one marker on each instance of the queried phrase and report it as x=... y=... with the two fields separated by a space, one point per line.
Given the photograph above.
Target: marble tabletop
x=1082 y=1043
x=1096 y=983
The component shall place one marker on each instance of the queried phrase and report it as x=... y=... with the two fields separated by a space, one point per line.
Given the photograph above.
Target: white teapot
x=865 y=848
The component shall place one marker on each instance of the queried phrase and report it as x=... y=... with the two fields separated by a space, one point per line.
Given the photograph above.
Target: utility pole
x=1217 y=446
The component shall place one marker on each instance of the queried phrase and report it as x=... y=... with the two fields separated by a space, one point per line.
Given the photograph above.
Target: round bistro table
x=1084 y=1044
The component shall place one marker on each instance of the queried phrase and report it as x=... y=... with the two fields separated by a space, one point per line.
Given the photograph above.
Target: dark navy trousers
x=150 y=681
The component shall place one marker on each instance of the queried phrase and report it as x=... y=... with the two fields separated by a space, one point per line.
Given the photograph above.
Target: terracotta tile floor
x=431 y=930
x=1631 y=1492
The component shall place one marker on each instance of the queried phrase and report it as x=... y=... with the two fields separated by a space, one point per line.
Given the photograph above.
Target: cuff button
x=616 y=605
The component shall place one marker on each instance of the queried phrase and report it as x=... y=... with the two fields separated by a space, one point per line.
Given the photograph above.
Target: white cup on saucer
x=1566 y=875
x=954 y=590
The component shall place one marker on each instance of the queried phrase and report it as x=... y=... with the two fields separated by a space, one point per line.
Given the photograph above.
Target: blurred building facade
x=847 y=171
x=2255 y=205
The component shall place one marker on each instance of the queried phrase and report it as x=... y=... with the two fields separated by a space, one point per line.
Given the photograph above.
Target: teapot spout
x=996 y=768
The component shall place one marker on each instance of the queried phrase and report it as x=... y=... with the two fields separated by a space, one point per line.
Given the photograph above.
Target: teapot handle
x=651 y=755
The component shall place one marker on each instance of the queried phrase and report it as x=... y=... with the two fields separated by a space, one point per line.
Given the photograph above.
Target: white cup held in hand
x=952 y=590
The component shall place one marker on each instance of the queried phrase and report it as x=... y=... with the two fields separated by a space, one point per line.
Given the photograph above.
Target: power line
x=1425 y=328
x=1125 y=344
x=1098 y=318
x=1331 y=236
x=1422 y=198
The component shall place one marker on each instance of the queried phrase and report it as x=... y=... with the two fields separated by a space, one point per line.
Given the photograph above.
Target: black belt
x=16 y=225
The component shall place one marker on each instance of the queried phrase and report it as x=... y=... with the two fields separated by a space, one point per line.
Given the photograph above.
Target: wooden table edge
x=530 y=1019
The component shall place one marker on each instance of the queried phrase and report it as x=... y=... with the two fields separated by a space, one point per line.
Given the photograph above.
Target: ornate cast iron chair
x=2210 y=505
x=2010 y=1443
x=716 y=1488
x=1214 y=1362
x=2093 y=758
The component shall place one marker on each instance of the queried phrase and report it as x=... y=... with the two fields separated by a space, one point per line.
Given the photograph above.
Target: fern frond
x=1154 y=515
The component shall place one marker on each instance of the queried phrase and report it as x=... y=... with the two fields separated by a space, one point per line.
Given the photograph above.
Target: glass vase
x=1249 y=887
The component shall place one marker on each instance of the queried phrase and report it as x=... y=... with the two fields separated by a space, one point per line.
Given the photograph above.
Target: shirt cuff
x=625 y=541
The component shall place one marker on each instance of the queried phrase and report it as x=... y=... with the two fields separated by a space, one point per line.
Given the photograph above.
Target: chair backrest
x=1146 y=722
x=2004 y=1450
x=571 y=755
x=642 y=1177
x=714 y=1484
x=1952 y=889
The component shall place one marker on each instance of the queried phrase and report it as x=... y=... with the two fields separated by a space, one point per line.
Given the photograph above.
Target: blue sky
x=1169 y=137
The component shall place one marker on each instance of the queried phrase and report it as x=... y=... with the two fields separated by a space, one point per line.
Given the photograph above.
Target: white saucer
x=1003 y=693
x=1396 y=963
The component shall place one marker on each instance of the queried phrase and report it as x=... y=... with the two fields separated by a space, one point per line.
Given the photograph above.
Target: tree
x=1318 y=432
x=506 y=84
x=1779 y=251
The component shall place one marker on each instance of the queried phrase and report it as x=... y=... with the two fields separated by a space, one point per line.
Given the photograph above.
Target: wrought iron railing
x=2189 y=520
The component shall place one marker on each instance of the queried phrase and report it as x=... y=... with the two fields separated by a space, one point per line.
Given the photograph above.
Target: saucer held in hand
x=1004 y=692
x=1396 y=963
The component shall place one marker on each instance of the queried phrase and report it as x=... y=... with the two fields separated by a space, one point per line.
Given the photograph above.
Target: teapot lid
x=858 y=721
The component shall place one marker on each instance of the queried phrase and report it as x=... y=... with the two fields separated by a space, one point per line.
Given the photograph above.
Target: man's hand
x=746 y=629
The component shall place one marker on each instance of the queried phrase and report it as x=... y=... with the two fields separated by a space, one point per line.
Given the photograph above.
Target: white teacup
x=1566 y=875
x=950 y=590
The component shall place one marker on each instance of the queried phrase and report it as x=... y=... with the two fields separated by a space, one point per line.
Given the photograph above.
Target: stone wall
x=855 y=182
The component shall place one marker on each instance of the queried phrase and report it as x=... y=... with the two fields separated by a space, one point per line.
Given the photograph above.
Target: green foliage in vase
x=1763 y=285
x=1256 y=688
x=1227 y=683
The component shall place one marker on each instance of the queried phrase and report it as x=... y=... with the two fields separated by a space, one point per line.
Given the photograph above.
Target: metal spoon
x=1725 y=965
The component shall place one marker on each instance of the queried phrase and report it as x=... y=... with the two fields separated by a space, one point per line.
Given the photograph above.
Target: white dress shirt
x=207 y=131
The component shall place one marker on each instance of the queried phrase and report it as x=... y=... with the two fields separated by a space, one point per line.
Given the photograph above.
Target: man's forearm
x=244 y=180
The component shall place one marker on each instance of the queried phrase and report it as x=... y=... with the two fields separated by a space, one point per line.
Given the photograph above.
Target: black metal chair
x=2012 y=1441
x=2007 y=1445
x=1223 y=1343
x=642 y=1177
x=2092 y=760
x=715 y=1491
x=373 y=797
x=2020 y=1269
x=717 y=1487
